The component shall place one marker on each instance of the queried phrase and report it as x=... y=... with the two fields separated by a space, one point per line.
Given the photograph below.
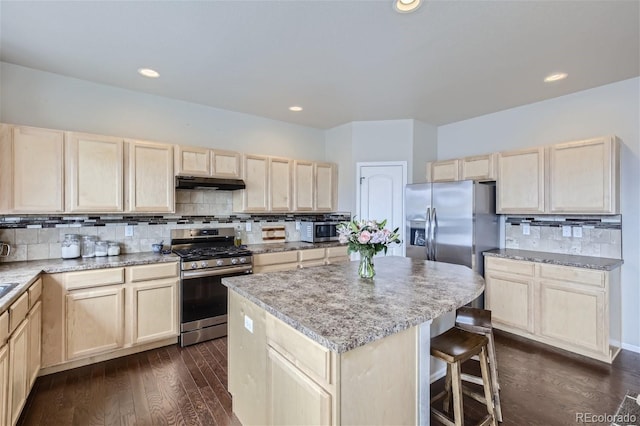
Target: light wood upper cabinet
x=303 y=186
x=255 y=198
x=584 y=176
x=150 y=177
x=94 y=176
x=326 y=187
x=192 y=161
x=479 y=167
x=279 y=184
x=521 y=181
x=31 y=170
x=226 y=164
x=443 y=171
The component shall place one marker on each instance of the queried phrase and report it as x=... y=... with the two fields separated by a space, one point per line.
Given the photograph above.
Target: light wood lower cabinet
x=154 y=310
x=35 y=343
x=18 y=373
x=289 y=260
x=4 y=383
x=575 y=309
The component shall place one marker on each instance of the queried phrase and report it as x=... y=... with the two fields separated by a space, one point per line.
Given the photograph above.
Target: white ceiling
x=341 y=60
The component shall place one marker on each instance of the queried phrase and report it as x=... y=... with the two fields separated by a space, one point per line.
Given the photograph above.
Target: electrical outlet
x=128 y=231
x=566 y=231
x=247 y=226
x=526 y=229
x=577 y=231
x=297 y=226
x=248 y=324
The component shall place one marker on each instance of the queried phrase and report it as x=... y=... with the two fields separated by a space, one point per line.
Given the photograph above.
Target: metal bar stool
x=478 y=321
x=454 y=347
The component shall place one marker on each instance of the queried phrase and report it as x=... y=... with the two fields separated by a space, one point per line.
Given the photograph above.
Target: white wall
x=425 y=147
x=605 y=110
x=339 y=150
x=42 y=99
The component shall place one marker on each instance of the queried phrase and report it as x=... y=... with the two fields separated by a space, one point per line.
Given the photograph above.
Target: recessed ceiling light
x=555 y=77
x=148 y=72
x=295 y=108
x=406 y=6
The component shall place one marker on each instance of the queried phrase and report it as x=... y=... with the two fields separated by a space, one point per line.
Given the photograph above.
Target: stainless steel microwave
x=318 y=232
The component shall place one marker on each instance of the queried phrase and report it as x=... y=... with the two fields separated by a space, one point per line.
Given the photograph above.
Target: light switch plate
x=247 y=226
x=577 y=231
x=566 y=231
x=526 y=229
x=248 y=324
x=297 y=226
x=128 y=231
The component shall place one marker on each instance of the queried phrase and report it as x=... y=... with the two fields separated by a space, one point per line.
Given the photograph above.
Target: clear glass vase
x=365 y=270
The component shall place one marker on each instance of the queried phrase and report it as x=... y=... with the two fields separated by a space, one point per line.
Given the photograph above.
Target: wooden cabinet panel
x=94 y=176
x=150 y=177
x=35 y=291
x=311 y=254
x=226 y=164
x=443 y=171
x=510 y=299
x=154 y=313
x=578 y=275
x=18 y=311
x=18 y=355
x=279 y=185
x=480 y=167
x=255 y=197
x=4 y=383
x=326 y=187
x=303 y=186
x=35 y=343
x=152 y=272
x=94 y=278
x=510 y=266
x=262 y=259
x=4 y=327
x=584 y=176
x=521 y=181
x=294 y=399
x=32 y=168
x=94 y=321
x=192 y=161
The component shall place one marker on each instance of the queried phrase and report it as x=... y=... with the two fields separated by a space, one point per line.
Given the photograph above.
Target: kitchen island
x=322 y=346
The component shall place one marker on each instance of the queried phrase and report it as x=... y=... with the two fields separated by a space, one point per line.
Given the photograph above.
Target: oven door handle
x=232 y=270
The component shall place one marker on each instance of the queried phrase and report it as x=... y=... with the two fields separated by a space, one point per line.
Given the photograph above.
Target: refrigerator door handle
x=434 y=234
x=427 y=234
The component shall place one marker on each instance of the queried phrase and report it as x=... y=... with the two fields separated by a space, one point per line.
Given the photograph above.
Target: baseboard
x=631 y=348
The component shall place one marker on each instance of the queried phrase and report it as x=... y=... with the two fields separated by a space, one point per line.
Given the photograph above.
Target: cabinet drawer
x=275 y=258
x=95 y=278
x=152 y=272
x=35 y=291
x=18 y=311
x=311 y=254
x=4 y=327
x=337 y=251
x=510 y=266
x=577 y=275
x=303 y=352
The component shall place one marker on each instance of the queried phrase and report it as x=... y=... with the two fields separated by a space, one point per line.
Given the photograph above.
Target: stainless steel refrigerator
x=452 y=222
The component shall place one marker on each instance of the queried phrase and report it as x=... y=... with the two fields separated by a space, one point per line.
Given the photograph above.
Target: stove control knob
x=243 y=260
x=219 y=262
x=234 y=261
x=204 y=264
x=194 y=265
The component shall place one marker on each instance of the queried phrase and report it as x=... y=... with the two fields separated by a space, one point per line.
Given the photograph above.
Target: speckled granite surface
x=334 y=307
x=24 y=273
x=294 y=245
x=589 y=262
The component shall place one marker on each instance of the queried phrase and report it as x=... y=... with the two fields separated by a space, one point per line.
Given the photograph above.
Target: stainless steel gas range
x=207 y=255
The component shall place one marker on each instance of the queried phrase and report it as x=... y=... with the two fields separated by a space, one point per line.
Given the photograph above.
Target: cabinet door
x=151 y=186
x=192 y=161
x=154 y=313
x=4 y=383
x=510 y=298
x=583 y=176
x=18 y=352
x=31 y=168
x=443 y=171
x=326 y=187
x=480 y=167
x=226 y=164
x=94 y=321
x=255 y=197
x=303 y=186
x=94 y=173
x=294 y=399
x=35 y=343
x=279 y=185
x=520 y=185
x=573 y=314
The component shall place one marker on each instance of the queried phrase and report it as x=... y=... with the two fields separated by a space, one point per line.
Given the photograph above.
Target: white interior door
x=380 y=195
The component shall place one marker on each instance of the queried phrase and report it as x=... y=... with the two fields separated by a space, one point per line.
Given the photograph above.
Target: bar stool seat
x=478 y=321
x=454 y=347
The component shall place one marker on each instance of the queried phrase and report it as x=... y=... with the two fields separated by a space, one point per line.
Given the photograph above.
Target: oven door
x=203 y=313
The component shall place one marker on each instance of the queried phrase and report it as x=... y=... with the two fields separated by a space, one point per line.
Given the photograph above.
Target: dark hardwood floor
x=187 y=386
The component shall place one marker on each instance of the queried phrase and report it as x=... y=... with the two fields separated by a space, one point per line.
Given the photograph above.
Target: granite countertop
x=334 y=307
x=588 y=262
x=294 y=245
x=25 y=273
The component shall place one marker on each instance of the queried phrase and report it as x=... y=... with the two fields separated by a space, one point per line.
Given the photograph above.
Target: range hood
x=195 y=182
